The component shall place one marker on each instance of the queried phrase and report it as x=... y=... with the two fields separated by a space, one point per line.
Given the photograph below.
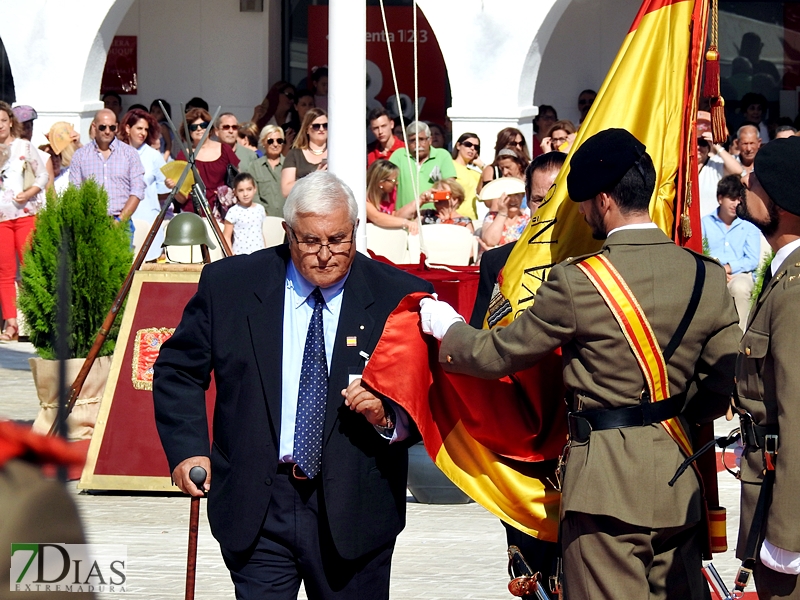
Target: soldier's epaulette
x=573 y=260
x=705 y=257
x=790 y=273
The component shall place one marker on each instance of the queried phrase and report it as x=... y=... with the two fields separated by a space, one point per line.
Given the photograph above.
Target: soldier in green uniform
x=768 y=380
x=625 y=533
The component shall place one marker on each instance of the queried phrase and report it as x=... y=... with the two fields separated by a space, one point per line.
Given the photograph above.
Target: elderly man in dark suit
x=305 y=484
x=768 y=381
x=625 y=532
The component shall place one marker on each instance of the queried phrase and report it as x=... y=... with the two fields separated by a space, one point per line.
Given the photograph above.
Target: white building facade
x=503 y=57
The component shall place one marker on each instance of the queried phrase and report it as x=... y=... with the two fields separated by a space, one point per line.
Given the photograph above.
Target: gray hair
x=417 y=127
x=744 y=128
x=319 y=193
x=225 y=114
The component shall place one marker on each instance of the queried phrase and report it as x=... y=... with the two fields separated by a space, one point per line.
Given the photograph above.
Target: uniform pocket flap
x=754 y=344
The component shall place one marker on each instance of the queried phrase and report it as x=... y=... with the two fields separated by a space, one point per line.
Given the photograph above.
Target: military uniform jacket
x=621 y=473
x=768 y=386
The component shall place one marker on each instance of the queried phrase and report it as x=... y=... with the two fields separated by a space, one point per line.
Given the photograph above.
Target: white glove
x=780 y=560
x=437 y=317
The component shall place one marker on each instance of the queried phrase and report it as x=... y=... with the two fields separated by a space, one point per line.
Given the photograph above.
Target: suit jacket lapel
x=354 y=322
x=266 y=334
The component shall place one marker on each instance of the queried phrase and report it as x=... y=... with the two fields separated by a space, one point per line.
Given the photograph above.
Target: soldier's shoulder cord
x=574 y=260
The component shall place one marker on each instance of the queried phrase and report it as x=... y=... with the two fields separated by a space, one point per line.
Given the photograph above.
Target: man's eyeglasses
x=333 y=246
x=111 y=128
x=279 y=141
x=235 y=127
x=318 y=126
x=468 y=144
x=196 y=126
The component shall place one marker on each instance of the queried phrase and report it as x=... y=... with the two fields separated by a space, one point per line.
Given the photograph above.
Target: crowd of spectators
x=415 y=176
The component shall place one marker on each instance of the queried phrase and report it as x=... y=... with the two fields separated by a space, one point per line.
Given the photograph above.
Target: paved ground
x=446 y=552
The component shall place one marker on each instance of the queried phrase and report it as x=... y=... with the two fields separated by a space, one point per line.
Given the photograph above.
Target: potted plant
x=99 y=257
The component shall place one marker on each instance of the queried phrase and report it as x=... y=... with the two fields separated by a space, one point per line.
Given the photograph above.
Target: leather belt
x=293 y=470
x=582 y=423
x=754 y=435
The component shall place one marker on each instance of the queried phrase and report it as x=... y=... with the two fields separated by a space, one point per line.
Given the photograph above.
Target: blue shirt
x=738 y=245
x=296 y=317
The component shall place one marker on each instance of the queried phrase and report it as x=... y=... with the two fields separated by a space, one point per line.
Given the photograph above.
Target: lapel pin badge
x=352 y=341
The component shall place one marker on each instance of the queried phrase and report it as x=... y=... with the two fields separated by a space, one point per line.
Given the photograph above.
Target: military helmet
x=187 y=229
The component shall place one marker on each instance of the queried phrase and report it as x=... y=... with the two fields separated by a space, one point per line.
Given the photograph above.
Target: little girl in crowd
x=244 y=219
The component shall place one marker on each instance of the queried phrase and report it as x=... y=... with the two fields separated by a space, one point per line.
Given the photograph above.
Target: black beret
x=776 y=167
x=601 y=161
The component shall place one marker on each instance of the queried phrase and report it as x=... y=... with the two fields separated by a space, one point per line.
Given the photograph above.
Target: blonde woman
x=309 y=152
x=267 y=169
x=18 y=208
x=381 y=198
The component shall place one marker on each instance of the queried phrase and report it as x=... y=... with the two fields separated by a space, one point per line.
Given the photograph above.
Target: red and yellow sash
x=640 y=336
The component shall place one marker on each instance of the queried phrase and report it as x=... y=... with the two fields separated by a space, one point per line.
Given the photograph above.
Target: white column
x=347 y=101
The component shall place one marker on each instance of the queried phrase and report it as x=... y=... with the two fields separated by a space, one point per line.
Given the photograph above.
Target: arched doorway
x=579 y=50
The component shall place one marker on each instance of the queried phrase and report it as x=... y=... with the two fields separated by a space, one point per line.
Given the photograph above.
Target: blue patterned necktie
x=311 y=398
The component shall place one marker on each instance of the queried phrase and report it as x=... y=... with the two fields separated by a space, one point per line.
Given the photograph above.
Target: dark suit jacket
x=492 y=262
x=233 y=326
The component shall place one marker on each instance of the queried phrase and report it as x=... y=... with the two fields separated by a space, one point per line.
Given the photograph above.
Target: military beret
x=776 y=168
x=601 y=161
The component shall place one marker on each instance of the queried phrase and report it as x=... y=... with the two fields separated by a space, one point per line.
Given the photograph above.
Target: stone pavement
x=446 y=552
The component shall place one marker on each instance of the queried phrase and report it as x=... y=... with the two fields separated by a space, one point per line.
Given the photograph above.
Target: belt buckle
x=297 y=473
x=573 y=422
x=748 y=432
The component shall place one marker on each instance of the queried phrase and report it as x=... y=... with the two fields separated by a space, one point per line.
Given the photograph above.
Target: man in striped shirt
x=111 y=163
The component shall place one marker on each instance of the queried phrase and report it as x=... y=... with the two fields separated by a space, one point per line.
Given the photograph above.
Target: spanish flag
x=494 y=439
x=497 y=440
x=650 y=91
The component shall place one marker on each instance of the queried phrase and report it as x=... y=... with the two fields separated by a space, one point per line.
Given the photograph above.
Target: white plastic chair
x=448 y=244
x=272 y=231
x=389 y=243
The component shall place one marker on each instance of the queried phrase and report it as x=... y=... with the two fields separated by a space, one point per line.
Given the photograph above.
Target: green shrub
x=99 y=259
x=761 y=273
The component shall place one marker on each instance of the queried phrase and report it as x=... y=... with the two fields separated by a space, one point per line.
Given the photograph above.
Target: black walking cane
x=198 y=477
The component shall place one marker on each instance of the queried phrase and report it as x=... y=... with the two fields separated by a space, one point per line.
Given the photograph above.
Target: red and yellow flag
x=490 y=437
x=493 y=438
x=647 y=91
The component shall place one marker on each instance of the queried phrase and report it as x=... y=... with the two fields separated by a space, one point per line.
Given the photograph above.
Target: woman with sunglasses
x=510 y=138
x=267 y=169
x=309 y=152
x=274 y=108
x=468 y=163
x=212 y=162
